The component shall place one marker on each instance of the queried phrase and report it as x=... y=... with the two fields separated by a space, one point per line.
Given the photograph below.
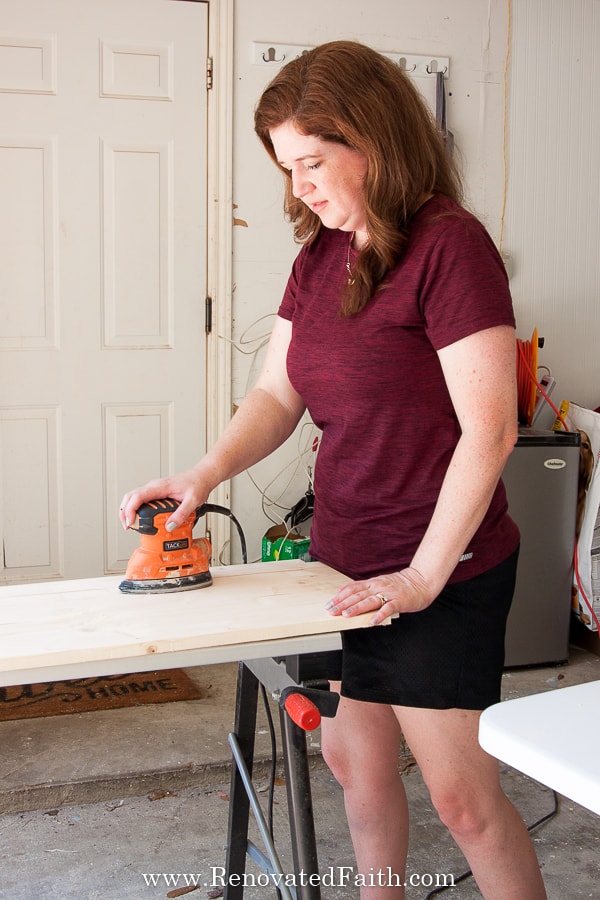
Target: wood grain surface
x=73 y=621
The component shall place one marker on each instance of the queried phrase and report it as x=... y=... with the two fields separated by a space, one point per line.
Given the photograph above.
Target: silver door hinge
x=209 y=73
x=208 y=304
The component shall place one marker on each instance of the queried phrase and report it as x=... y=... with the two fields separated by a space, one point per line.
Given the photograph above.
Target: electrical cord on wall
x=304 y=461
x=274 y=504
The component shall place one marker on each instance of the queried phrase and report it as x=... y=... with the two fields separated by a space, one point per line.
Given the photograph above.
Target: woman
x=396 y=331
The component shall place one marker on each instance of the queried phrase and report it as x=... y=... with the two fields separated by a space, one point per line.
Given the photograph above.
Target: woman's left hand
x=387 y=595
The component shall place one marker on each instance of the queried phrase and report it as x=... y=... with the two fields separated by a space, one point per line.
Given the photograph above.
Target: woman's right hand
x=189 y=488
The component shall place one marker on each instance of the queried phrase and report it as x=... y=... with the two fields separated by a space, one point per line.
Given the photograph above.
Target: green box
x=295 y=546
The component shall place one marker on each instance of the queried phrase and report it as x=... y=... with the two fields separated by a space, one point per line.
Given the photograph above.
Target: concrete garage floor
x=95 y=804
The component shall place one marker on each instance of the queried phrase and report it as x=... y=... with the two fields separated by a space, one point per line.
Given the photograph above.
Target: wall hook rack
x=417 y=65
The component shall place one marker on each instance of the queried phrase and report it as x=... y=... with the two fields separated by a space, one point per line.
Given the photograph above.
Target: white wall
x=553 y=190
x=472 y=33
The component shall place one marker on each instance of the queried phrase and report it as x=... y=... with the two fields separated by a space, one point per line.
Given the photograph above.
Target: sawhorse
x=284 y=679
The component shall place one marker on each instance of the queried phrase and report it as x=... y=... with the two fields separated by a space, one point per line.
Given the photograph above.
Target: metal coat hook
x=270 y=56
x=434 y=71
x=402 y=63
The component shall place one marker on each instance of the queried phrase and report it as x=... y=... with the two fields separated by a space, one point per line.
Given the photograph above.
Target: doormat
x=55 y=698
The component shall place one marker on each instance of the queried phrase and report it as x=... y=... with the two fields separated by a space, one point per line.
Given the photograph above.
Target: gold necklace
x=348 y=267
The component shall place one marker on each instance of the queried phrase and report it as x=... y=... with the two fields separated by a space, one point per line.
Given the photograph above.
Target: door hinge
x=209 y=73
x=208 y=305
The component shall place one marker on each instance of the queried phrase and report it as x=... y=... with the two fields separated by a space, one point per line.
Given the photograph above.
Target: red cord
x=525 y=376
x=582 y=592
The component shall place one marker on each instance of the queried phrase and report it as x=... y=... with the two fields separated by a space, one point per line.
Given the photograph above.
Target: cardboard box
x=295 y=546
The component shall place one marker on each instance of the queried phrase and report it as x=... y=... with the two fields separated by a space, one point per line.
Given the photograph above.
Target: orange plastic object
x=302 y=711
x=166 y=561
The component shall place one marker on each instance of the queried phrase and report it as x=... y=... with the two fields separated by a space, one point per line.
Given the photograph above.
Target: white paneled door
x=102 y=270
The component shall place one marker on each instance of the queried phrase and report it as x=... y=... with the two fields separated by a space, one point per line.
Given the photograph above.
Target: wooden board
x=68 y=622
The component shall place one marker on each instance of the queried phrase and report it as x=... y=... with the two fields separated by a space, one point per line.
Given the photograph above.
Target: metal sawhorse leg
x=281 y=679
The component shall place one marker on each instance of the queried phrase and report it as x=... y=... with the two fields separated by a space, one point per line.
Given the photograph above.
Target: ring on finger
x=383 y=598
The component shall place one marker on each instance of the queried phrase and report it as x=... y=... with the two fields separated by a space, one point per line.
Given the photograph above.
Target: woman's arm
x=480 y=373
x=264 y=420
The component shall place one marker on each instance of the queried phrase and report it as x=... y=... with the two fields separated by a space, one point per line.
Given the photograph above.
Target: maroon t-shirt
x=374 y=385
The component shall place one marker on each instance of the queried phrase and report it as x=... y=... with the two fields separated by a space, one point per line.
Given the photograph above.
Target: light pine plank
x=57 y=623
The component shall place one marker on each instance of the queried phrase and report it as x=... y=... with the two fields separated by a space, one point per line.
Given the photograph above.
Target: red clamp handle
x=302 y=711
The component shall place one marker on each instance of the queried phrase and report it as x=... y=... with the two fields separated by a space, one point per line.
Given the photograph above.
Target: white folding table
x=261 y=615
x=553 y=737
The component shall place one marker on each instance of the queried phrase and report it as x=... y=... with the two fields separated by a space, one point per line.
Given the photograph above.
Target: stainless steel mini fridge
x=541 y=482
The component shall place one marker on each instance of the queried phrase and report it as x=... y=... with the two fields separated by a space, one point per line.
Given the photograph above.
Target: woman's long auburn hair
x=347 y=93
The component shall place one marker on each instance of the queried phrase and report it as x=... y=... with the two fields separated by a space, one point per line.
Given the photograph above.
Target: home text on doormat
x=55 y=698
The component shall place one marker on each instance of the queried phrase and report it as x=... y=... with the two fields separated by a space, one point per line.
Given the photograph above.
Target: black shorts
x=448 y=656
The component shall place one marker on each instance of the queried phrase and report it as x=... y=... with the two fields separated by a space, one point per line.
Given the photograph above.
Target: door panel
x=102 y=270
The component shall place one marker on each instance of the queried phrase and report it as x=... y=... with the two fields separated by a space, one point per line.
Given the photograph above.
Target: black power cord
x=215 y=508
x=469 y=873
x=212 y=507
x=272 y=768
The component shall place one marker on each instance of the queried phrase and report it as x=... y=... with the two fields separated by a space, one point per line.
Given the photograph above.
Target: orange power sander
x=171 y=560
